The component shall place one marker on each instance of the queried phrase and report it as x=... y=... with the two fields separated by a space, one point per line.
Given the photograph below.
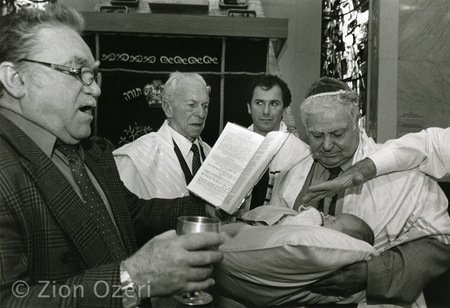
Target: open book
x=234 y=166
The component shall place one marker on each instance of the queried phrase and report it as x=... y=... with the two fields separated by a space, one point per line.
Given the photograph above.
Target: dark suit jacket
x=49 y=242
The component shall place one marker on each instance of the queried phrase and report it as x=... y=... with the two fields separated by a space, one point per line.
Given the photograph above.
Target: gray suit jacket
x=48 y=241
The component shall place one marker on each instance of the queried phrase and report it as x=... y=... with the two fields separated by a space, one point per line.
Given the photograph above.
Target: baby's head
x=351 y=225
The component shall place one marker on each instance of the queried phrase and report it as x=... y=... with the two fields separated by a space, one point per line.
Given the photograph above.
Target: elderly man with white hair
x=428 y=149
x=406 y=210
x=161 y=164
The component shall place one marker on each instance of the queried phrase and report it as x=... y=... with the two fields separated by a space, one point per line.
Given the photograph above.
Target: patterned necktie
x=334 y=172
x=196 y=159
x=94 y=203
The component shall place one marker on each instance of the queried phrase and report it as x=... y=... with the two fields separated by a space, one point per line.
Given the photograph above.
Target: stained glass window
x=344 y=43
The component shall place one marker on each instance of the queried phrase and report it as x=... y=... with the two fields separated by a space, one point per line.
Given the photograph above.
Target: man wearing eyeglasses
x=86 y=74
x=62 y=243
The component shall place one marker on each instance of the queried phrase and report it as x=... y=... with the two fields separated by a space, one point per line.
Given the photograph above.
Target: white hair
x=326 y=102
x=171 y=85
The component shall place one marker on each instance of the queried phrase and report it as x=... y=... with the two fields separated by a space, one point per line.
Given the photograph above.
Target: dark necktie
x=196 y=159
x=334 y=172
x=260 y=191
x=94 y=203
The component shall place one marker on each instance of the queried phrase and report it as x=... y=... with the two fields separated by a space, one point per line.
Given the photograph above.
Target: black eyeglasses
x=85 y=74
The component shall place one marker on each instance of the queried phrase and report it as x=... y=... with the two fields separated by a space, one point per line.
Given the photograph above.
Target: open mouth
x=86 y=109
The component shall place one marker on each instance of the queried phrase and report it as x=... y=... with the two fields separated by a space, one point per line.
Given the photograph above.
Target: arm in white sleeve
x=429 y=150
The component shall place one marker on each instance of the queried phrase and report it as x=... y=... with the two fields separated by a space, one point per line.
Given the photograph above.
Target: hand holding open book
x=234 y=165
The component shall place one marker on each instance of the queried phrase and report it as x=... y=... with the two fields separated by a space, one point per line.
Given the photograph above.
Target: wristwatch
x=130 y=296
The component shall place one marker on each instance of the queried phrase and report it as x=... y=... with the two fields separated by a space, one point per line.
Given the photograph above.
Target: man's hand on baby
x=343 y=282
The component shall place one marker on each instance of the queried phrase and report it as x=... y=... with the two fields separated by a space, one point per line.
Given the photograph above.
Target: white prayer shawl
x=399 y=207
x=150 y=168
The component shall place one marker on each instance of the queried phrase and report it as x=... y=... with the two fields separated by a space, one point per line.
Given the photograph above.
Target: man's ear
x=358 y=118
x=167 y=107
x=249 y=110
x=11 y=80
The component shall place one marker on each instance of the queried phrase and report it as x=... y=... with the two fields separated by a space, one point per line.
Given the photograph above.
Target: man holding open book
x=161 y=164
